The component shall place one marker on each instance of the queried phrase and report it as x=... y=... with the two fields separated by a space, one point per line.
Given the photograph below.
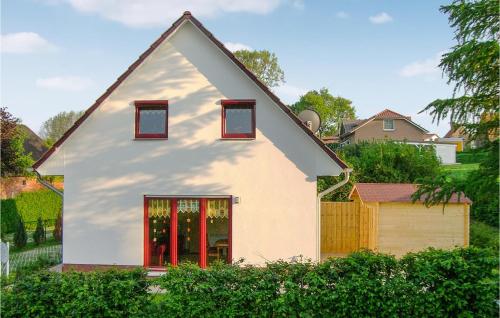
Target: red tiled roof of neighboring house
x=390 y=114
x=393 y=192
x=187 y=16
x=449 y=133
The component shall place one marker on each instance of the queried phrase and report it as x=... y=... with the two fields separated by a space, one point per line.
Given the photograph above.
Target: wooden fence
x=347 y=227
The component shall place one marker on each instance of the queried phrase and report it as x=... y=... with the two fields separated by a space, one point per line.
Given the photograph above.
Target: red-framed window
x=187 y=229
x=238 y=118
x=151 y=119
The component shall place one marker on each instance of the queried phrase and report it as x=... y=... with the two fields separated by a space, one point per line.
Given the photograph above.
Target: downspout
x=347 y=173
x=56 y=191
x=47 y=184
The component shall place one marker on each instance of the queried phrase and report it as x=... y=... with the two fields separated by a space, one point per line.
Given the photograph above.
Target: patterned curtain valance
x=217 y=208
x=188 y=206
x=159 y=208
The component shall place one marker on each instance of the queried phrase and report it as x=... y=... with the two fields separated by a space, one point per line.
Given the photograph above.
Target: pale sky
x=61 y=55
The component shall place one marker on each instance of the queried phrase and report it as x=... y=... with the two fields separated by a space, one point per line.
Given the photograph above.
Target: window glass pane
x=217 y=230
x=388 y=124
x=159 y=231
x=188 y=231
x=152 y=121
x=238 y=120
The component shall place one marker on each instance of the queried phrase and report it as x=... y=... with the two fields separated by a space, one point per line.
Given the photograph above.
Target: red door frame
x=173 y=230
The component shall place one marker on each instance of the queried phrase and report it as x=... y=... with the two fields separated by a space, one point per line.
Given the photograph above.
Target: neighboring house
x=389 y=125
x=462 y=139
x=431 y=137
x=457 y=135
x=403 y=226
x=386 y=125
x=188 y=157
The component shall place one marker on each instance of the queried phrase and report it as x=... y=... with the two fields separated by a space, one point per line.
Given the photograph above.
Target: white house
x=187 y=156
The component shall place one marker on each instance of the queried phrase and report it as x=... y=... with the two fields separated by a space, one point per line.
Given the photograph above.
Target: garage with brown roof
x=404 y=226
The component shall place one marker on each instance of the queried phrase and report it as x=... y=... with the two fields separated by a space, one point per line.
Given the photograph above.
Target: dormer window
x=388 y=124
x=151 y=119
x=238 y=119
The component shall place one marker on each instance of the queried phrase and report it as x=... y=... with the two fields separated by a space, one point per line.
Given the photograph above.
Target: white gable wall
x=107 y=172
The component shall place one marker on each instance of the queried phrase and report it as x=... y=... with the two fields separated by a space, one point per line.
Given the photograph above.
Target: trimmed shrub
x=484 y=236
x=365 y=284
x=20 y=237
x=433 y=283
x=39 y=234
x=457 y=283
x=97 y=294
x=29 y=206
x=57 y=233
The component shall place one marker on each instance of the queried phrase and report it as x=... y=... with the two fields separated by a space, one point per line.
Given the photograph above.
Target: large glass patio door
x=196 y=230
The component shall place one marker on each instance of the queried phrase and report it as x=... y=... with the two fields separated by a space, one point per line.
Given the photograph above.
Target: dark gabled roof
x=394 y=192
x=32 y=143
x=188 y=17
x=350 y=124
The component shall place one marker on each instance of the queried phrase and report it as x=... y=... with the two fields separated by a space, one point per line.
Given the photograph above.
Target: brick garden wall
x=12 y=186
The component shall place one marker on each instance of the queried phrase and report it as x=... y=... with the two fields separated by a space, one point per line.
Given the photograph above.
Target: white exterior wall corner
x=107 y=172
x=445 y=152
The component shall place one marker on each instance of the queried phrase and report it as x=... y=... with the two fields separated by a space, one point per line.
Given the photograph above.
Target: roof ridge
x=390 y=110
x=187 y=16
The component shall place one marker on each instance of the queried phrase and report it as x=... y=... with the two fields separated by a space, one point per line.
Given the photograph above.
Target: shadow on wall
x=232 y=84
x=113 y=173
x=141 y=165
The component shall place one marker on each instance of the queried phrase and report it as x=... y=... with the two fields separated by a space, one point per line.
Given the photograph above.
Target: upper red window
x=238 y=118
x=151 y=119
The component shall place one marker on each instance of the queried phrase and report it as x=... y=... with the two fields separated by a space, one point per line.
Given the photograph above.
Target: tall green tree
x=331 y=109
x=264 y=65
x=54 y=127
x=472 y=65
x=14 y=159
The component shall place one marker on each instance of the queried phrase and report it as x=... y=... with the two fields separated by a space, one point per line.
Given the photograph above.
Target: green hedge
x=30 y=206
x=433 y=283
x=473 y=156
x=427 y=284
x=99 y=294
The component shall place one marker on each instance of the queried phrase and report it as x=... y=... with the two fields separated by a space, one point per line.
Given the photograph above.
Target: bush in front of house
x=39 y=234
x=20 y=236
x=97 y=294
x=484 y=236
x=433 y=283
x=427 y=284
x=458 y=283
x=29 y=206
x=382 y=162
x=57 y=232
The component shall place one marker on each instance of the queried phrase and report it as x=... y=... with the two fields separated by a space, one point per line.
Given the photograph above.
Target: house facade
x=386 y=125
x=188 y=157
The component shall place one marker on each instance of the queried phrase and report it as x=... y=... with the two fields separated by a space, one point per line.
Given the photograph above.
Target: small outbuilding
x=404 y=226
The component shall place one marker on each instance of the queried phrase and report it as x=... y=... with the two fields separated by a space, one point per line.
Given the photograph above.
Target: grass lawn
x=31 y=246
x=28 y=257
x=460 y=170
